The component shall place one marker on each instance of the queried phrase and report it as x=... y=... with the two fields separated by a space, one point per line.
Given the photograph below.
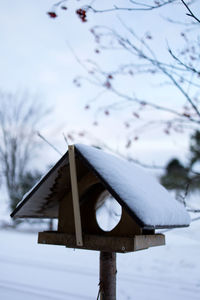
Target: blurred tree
x=195 y=148
x=20 y=117
x=184 y=178
x=176 y=176
x=24 y=184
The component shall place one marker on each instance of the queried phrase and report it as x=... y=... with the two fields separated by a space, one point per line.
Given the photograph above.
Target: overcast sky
x=34 y=55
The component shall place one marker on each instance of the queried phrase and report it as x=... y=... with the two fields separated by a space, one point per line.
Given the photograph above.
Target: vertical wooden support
x=75 y=196
x=108 y=275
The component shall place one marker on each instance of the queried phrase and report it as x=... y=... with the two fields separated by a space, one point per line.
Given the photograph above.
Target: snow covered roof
x=149 y=203
x=42 y=201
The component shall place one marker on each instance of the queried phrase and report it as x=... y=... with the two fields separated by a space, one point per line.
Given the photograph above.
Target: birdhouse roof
x=146 y=201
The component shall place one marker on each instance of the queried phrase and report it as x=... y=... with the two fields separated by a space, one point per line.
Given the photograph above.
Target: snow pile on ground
x=31 y=271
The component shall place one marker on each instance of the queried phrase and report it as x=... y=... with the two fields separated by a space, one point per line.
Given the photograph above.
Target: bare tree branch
x=190 y=14
x=139 y=6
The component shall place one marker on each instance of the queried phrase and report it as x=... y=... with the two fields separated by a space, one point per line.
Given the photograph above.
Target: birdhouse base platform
x=102 y=243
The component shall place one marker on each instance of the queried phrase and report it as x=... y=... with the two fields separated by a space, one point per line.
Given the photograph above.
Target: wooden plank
x=102 y=243
x=66 y=214
x=146 y=241
x=75 y=196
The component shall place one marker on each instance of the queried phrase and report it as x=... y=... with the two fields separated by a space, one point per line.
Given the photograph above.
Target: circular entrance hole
x=108 y=211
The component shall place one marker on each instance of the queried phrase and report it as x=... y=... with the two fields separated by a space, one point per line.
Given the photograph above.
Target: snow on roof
x=139 y=193
x=142 y=195
x=42 y=200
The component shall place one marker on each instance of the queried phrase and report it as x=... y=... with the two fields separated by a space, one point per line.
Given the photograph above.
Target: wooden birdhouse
x=81 y=182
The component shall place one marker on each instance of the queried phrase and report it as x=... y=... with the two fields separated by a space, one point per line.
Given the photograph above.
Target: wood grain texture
x=75 y=196
x=107 y=276
x=103 y=243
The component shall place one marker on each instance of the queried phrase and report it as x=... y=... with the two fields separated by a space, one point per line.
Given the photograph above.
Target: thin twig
x=157 y=107
x=193 y=210
x=191 y=14
x=59 y=3
x=52 y=146
x=99 y=291
x=182 y=63
x=143 y=7
x=65 y=138
x=195 y=219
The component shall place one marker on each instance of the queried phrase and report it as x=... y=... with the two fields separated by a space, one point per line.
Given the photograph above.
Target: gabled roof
x=150 y=205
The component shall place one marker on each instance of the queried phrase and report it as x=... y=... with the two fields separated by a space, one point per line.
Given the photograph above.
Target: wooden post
x=107 y=275
x=75 y=195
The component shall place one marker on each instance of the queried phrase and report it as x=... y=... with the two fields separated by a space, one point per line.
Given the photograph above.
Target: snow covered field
x=31 y=271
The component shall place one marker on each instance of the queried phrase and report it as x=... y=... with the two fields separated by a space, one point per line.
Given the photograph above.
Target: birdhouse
x=79 y=185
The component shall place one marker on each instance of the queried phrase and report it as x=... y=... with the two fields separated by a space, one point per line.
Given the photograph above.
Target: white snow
x=37 y=272
x=150 y=201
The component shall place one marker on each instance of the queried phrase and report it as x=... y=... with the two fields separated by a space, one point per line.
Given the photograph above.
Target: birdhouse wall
x=89 y=191
x=127 y=227
x=85 y=179
x=66 y=215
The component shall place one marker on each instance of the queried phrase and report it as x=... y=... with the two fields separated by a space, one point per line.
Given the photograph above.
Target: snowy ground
x=31 y=271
